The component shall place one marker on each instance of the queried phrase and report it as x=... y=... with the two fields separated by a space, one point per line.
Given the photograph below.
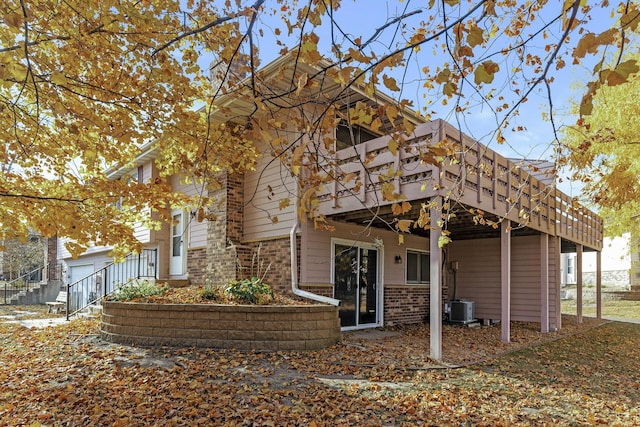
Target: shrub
x=138 y=289
x=212 y=293
x=250 y=291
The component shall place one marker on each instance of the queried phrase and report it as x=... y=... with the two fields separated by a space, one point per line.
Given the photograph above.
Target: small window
x=140 y=174
x=344 y=132
x=569 y=265
x=418 y=267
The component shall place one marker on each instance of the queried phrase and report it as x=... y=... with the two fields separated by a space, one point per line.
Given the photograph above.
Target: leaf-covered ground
x=583 y=375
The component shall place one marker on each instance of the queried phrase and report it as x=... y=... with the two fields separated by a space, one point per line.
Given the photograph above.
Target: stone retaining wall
x=243 y=327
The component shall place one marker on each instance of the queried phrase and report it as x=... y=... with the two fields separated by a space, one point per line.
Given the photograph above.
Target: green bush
x=250 y=291
x=138 y=289
x=212 y=293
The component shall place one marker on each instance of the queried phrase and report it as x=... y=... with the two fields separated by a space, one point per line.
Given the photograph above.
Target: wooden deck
x=475 y=176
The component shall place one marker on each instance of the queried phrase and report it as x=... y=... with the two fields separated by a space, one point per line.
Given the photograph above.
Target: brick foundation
x=243 y=327
x=405 y=304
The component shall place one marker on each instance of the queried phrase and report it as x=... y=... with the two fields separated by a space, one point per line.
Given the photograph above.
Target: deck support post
x=579 y=283
x=505 y=278
x=435 y=296
x=557 y=241
x=599 y=285
x=544 y=282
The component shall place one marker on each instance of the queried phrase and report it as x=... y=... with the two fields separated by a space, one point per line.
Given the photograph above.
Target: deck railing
x=103 y=282
x=475 y=176
x=30 y=280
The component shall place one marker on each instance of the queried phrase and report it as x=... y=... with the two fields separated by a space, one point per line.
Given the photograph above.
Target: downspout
x=294 y=271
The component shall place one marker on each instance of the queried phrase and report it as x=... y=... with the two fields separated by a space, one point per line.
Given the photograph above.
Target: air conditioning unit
x=461 y=311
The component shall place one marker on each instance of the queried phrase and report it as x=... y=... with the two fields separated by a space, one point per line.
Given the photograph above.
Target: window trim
x=420 y=253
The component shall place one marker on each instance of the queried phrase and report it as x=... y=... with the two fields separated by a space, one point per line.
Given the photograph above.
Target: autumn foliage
x=86 y=85
x=582 y=375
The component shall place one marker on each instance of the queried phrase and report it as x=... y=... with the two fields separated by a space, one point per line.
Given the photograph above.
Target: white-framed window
x=418 y=267
x=570 y=265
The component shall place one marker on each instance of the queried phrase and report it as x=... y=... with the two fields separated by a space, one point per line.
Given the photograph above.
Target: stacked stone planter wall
x=243 y=327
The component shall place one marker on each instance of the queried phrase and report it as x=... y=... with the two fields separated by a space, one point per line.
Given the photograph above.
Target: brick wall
x=224 y=233
x=243 y=327
x=197 y=265
x=324 y=290
x=275 y=254
x=405 y=304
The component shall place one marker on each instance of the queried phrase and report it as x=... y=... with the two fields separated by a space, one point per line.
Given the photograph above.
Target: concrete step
x=174 y=283
x=92 y=311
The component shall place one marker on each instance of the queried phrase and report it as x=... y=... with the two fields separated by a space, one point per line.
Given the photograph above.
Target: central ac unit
x=461 y=311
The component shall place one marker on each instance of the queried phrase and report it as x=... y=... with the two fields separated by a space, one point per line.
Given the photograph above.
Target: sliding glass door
x=355 y=278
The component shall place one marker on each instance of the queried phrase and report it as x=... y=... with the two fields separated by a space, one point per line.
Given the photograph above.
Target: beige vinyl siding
x=264 y=188
x=525 y=278
x=316 y=251
x=478 y=277
x=197 y=231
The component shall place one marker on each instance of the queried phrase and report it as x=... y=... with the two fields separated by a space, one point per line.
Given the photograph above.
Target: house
x=507 y=228
x=616 y=265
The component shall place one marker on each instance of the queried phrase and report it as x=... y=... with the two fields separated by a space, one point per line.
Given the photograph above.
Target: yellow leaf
x=449 y=89
x=57 y=78
x=358 y=56
x=302 y=82
x=401 y=239
x=390 y=83
x=284 y=203
x=475 y=36
x=443 y=76
x=443 y=240
x=393 y=146
x=404 y=225
x=485 y=72
x=392 y=112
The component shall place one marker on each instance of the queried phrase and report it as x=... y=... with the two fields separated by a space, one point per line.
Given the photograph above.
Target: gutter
x=294 y=271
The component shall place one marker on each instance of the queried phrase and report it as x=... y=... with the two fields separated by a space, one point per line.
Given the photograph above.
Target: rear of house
x=506 y=228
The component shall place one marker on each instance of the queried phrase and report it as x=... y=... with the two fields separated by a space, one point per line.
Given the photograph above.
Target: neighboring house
x=617 y=268
x=509 y=272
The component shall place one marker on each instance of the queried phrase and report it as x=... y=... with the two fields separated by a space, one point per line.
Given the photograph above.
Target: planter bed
x=242 y=327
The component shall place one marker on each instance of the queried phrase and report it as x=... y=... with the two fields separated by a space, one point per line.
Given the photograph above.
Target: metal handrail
x=52 y=271
x=103 y=282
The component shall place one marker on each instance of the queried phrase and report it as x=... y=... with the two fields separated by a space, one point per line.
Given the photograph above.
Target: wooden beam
x=435 y=300
x=558 y=280
x=505 y=275
x=599 y=285
x=544 y=282
x=579 y=283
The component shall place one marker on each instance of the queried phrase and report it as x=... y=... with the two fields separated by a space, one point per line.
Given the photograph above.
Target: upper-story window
x=345 y=133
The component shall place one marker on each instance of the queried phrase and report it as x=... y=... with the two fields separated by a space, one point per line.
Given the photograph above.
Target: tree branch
x=213 y=23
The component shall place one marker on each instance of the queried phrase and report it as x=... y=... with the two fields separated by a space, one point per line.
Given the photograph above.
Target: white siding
x=316 y=251
x=264 y=188
x=197 y=231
